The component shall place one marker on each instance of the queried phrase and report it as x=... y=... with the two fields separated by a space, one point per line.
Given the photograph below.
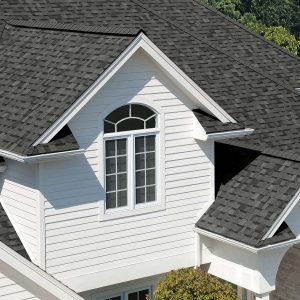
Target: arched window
x=130 y=134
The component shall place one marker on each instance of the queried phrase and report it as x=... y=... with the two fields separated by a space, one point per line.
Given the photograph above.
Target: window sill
x=131 y=212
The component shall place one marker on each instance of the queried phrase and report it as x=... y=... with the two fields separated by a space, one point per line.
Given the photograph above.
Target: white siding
x=78 y=245
x=10 y=290
x=19 y=198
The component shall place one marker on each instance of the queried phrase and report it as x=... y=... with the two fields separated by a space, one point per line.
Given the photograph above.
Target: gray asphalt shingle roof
x=213 y=125
x=42 y=72
x=252 y=191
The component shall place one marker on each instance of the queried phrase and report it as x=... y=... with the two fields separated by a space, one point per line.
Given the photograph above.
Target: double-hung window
x=130 y=137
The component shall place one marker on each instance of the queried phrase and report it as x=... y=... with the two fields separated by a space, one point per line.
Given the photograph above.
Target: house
x=137 y=137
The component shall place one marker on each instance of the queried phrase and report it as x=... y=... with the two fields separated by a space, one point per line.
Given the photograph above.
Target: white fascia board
x=140 y=42
x=40 y=158
x=35 y=274
x=200 y=134
x=294 y=201
x=245 y=246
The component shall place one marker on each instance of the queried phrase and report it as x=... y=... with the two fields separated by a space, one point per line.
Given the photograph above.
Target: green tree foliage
x=276 y=20
x=193 y=284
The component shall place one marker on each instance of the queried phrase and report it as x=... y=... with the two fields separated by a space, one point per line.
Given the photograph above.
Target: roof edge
x=284 y=214
x=111 y=30
x=243 y=245
x=37 y=275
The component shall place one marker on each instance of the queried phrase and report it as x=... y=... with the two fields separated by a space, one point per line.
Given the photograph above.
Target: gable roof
x=254 y=189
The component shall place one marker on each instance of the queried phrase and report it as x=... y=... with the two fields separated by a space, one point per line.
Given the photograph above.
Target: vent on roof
x=297 y=90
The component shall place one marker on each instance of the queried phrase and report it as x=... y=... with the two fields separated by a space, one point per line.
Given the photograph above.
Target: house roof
x=43 y=71
x=251 y=79
x=213 y=125
x=8 y=235
x=252 y=191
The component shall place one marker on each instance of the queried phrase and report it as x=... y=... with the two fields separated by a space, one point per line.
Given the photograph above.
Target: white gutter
x=294 y=201
x=229 y=134
x=245 y=246
x=40 y=158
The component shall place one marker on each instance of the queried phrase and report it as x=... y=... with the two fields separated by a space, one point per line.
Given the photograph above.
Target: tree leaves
x=276 y=20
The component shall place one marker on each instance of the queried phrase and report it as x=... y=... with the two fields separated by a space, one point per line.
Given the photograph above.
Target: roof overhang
x=170 y=68
x=245 y=246
x=288 y=209
x=44 y=284
x=200 y=133
x=41 y=157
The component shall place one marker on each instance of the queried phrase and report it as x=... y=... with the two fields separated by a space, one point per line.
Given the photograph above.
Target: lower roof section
x=252 y=191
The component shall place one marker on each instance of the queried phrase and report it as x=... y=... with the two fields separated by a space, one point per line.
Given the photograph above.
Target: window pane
x=141 y=111
x=122 y=198
x=110 y=148
x=150 y=143
x=110 y=183
x=140 y=178
x=122 y=181
x=140 y=195
x=110 y=200
x=150 y=193
x=121 y=147
x=130 y=124
x=116 y=298
x=121 y=164
x=133 y=296
x=140 y=144
x=118 y=114
x=150 y=160
x=108 y=127
x=140 y=161
x=151 y=123
x=150 y=177
x=110 y=165
x=143 y=295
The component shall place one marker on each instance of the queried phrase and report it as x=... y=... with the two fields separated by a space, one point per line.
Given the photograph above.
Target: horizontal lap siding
x=10 y=290
x=76 y=242
x=20 y=199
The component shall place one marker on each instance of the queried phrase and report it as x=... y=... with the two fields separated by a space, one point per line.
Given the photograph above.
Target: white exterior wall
x=85 y=252
x=11 y=290
x=19 y=198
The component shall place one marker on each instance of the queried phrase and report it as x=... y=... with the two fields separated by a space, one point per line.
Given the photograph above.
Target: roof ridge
x=109 y=30
x=203 y=39
x=242 y=26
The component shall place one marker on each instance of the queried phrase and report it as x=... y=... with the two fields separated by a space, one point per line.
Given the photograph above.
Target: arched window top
x=130 y=117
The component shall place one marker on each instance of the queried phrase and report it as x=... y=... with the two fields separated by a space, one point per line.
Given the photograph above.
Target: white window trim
x=140 y=209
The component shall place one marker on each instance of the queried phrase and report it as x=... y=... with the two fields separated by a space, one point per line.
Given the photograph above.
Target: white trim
x=143 y=42
x=40 y=158
x=35 y=274
x=200 y=135
x=283 y=215
x=244 y=246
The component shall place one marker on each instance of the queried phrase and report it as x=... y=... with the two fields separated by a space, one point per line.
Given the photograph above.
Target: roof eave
x=41 y=157
x=244 y=246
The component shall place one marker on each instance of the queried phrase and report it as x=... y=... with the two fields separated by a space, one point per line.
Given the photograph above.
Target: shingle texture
x=42 y=72
x=8 y=235
x=252 y=191
x=247 y=76
x=213 y=125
